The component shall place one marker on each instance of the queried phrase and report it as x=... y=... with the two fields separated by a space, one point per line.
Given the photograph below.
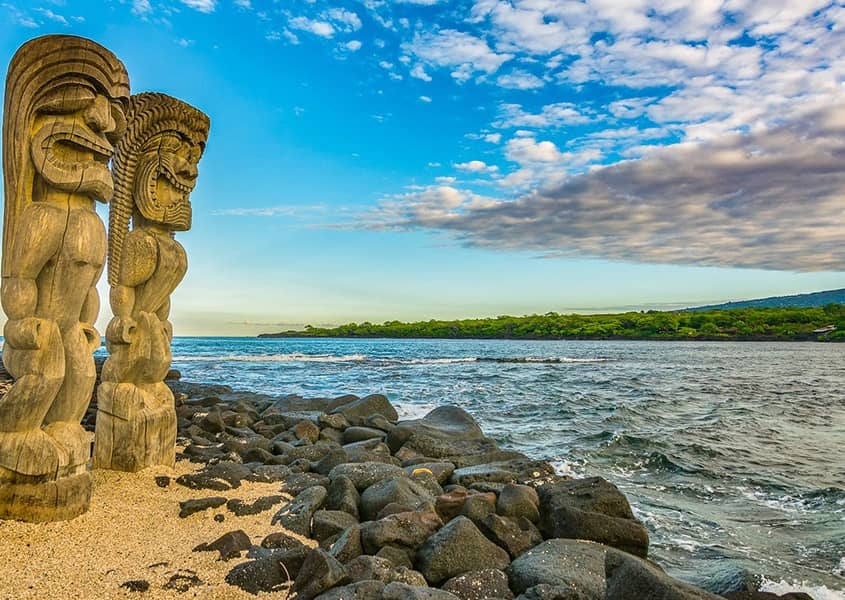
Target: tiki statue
x=155 y=169
x=64 y=109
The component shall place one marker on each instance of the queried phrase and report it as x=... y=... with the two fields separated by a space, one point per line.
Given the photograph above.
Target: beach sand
x=131 y=532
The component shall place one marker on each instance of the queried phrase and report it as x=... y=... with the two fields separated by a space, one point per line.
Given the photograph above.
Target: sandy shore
x=131 y=532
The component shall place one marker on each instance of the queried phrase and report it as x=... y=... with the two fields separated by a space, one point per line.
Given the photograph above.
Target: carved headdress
x=142 y=156
x=42 y=68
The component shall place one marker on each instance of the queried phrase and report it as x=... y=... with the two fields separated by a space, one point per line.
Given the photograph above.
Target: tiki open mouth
x=178 y=183
x=71 y=156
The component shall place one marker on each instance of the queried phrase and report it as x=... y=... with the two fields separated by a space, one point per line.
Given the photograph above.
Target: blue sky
x=375 y=160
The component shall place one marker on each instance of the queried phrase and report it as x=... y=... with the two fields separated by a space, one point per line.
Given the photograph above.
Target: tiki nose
x=99 y=116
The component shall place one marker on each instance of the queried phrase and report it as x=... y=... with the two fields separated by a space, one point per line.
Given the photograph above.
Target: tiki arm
x=19 y=290
x=138 y=265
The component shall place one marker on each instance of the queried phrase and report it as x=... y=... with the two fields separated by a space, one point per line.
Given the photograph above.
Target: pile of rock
x=428 y=508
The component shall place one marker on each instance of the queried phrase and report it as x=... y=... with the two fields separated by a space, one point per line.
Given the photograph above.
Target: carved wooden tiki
x=155 y=169
x=64 y=109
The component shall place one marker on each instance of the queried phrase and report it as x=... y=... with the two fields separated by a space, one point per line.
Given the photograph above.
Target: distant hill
x=798 y=300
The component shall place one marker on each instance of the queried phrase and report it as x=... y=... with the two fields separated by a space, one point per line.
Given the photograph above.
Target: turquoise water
x=733 y=454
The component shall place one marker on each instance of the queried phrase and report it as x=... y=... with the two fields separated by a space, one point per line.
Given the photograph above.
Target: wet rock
x=189 y=507
x=630 y=577
x=569 y=564
x=480 y=585
x=478 y=506
x=442 y=471
x=519 y=501
x=221 y=477
x=400 y=557
x=365 y=474
x=495 y=472
x=281 y=540
x=242 y=509
x=343 y=496
x=296 y=515
x=262 y=575
x=306 y=430
x=400 y=490
x=348 y=546
x=403 y=591
x=358 y=434
x=360 y=409
x=328 y=523
x=408 y=530
x=270 y=473
x=457 y=548
x=591 y=509
x=319 y=573
x=516 y=536
x=230 y=545
x=361 y=590
x=297 y=482
x=365 y=567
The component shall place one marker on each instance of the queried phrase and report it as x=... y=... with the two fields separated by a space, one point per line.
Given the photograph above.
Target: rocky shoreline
x=373 y=507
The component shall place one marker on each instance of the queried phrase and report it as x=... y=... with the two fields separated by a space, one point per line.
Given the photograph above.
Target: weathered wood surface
x=64 y=109
x=155 y=169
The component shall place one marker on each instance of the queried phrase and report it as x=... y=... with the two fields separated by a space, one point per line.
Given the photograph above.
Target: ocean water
x=732 y=454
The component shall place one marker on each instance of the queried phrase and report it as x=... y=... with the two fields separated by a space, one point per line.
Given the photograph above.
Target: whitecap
x=275 y=358
x=818 y=592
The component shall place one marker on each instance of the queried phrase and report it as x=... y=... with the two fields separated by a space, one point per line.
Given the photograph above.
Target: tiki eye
x=65 y=99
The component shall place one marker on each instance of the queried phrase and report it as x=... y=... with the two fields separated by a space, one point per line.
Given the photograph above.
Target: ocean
x=732 y=454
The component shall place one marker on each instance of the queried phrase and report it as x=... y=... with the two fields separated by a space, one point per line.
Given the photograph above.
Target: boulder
x=401 y=557
x=407 y=530
x=568 y=564
x=319 y=573
x=262 y=575
x=336 y=457
x=359 y=434
x=281 y=540
x=478 y=506
x=328 y=523
x=519 y=501
x=296 y=514
x=365 y=474
x=457 y=548
x=442 y=471
x=229 y=545
x=591 y=509
x=306 y=430
x=403 y=591
x=400 y=490
x=361 y=590
x=630 y=577
x=514 y=535
x=348 y=545
x=358 y=410
x=343 y=496
x=365 y=567
x=450 y=504
x=189 y=507
x=480 y=585
x=242 y=509
x=297 y=482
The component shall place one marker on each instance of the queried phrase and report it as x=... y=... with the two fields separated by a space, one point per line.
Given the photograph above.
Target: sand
x=132 y=531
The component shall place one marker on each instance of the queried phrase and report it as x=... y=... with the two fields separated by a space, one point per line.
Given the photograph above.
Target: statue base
x=58 y=500
x=136 y=428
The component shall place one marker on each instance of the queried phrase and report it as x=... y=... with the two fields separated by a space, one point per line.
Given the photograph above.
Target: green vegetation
x=782 y=324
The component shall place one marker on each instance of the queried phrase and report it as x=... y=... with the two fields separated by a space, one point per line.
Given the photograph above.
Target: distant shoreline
x=304 y=335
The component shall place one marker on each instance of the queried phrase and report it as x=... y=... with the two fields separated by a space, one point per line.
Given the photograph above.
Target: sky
x=372 y=160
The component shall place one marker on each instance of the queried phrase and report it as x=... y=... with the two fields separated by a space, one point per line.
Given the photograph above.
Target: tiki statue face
x=74 y=127
x=167 y=173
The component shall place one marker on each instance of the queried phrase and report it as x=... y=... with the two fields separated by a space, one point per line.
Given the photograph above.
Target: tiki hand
x=28 y=333
x=121 y=330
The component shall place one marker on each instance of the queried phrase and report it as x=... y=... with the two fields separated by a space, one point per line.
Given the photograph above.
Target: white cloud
x=353 y=45
x=203 y=6
x=476 y=166
x=419 y=72
x=246 y=4
x=528 y=150
x=344 y=20
x=52 y=16
x=319 y=28
x=520 y=80
x=141 y=7
x=465 y=53
x=493 y=138
x=558 y=114
x=425 y=99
